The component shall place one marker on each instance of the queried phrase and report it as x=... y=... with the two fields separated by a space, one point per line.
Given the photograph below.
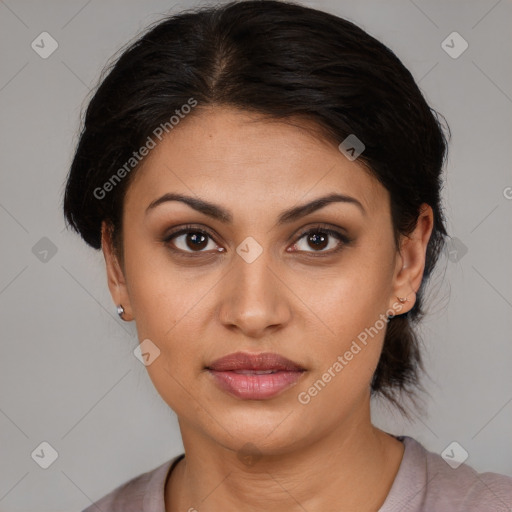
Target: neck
x=351 y=468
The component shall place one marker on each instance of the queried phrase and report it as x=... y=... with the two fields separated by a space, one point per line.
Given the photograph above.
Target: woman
x=264 y=182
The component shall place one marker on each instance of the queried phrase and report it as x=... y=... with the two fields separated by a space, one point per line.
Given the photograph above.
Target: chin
x=271 y=432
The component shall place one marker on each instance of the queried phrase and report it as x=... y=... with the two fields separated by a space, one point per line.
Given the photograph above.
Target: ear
x=115 y=274
x=411 y=260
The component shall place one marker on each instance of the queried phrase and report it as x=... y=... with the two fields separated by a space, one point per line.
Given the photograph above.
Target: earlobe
x=411 y=260
x=115 y=274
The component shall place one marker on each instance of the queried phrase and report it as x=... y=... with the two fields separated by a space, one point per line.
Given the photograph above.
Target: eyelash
x=343 y=239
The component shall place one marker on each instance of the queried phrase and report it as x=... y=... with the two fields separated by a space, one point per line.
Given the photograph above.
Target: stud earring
x=402 y=300
x=120 y=311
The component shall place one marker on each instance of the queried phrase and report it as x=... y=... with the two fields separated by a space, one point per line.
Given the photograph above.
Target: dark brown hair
x=282 y=60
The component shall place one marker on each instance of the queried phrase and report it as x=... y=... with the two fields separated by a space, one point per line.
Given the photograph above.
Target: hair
x=284 y=61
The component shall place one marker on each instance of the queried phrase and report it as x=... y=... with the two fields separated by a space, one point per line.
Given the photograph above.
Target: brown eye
x=320 y=239
x=196 y=241
x=191 y=240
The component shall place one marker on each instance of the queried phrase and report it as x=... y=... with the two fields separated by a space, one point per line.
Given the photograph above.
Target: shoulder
x=426 y=482
x=143 y=493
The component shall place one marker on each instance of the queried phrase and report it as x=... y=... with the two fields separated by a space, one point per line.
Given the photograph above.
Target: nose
x=254 y=299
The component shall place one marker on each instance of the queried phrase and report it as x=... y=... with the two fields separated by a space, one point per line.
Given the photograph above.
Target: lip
x=234 y=374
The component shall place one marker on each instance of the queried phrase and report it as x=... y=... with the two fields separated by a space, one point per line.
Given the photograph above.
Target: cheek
x=347 y=353
x=351 y=298
x=168 y=305
x=350 y=308
x=166 y=312
x=157 y=295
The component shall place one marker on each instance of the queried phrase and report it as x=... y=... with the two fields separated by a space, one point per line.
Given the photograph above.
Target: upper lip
x=247 y=361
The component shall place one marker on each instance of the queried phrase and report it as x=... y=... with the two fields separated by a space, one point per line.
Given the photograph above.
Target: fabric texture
x=424 y=483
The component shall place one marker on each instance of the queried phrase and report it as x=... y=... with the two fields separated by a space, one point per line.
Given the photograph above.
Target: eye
x=190 y=240
x=320 y=238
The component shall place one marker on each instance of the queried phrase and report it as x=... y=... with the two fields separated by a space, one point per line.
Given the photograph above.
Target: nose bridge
x=252 y=298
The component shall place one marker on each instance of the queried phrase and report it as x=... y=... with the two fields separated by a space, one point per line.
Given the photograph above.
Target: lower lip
x=255 y=386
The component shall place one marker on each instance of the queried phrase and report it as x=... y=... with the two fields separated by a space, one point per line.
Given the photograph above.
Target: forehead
x=244 y=159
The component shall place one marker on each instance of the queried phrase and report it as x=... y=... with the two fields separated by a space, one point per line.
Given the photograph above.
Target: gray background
x=67 y=372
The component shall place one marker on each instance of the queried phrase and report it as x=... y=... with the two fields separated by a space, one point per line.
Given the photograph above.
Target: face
x=314 y=286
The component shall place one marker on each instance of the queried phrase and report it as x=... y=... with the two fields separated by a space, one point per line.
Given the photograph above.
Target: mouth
x=255 y=376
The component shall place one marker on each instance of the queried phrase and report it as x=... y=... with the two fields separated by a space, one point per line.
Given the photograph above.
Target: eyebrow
x=287 y=216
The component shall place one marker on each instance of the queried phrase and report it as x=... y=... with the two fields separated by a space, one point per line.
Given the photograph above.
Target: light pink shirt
x=424 y=483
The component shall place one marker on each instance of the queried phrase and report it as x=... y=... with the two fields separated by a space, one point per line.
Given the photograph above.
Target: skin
x=326 y=454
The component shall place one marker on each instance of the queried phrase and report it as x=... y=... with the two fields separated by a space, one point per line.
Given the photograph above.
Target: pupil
x=322 y=238
x=198 y=240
